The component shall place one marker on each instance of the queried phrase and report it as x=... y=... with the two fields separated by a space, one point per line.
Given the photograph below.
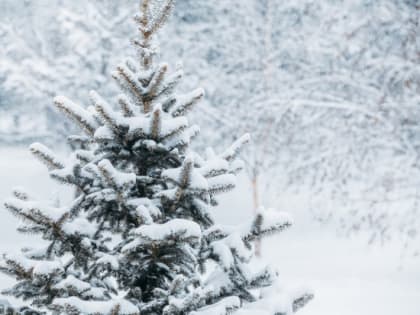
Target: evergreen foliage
x=139 y=237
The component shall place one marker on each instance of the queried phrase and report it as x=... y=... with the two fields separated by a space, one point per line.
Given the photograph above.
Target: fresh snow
x=107 y=259
x=197 y=181
x=80 y=226
x=83 y=114
x=158 y=232
x=72 y=282
x=38 y=207
x=121 y=179
x=180 y=229
x=44 y=267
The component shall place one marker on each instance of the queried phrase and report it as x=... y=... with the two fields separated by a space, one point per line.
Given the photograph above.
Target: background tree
x=328 y=94
x=331 y=131
x=52 y=51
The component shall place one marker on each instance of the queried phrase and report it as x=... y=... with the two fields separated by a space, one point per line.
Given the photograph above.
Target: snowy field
x=348 y=277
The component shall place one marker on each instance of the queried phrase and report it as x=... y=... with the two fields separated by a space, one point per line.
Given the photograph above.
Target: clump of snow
x=36 y=208
x=80 y=225
x=158 y=232
x=110 y=260
x=72 y=282
x=176 y=230
x=214 y=166
x=196 y=180
x=46 y=267
x=121 y=179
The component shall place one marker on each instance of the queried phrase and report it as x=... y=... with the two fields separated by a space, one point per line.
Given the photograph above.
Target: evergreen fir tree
x=139 y=237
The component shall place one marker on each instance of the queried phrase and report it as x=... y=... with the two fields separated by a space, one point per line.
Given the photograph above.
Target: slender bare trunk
x=267 y=78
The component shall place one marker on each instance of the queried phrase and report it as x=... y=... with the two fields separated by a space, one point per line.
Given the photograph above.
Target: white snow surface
x=43 y=208
x=107 y=259
x=73 y=282
x=157 y=232
x=80 y=226
x=348 y=277
x=121 y=179
x=197 y=181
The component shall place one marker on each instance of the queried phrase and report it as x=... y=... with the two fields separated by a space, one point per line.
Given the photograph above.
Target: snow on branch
x=156 y=125
x=118 y=180
x=160 y=19
x=301 y=299
x=127 y=107
x=129 y=83
x=151 y=20
x=214 y=166
x=172 y=232
x=276 y=300
x=186 y=176
x=221 y=183
x=233 y=151
x=107 y=115
x=155 y=82
x=35 y=212
x=178 y=228
x=82 y=117
x=185 y=103
x=46 y=156
x=169 y=86
x=266 y=222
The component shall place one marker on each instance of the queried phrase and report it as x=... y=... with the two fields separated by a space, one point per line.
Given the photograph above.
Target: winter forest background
x=329 y=90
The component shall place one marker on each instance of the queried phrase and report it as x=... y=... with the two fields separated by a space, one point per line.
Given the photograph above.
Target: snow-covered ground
x=348 y=277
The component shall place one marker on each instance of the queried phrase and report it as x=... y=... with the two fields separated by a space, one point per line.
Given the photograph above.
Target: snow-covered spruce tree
x=139 y=237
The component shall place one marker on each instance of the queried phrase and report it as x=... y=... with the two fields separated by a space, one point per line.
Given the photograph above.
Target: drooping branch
x=46 y=156
x=79 y=115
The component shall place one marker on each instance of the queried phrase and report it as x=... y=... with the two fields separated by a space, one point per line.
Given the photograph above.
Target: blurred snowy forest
x=329 y=90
